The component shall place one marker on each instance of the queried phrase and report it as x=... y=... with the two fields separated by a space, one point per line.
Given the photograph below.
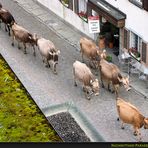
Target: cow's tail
x=80 y=46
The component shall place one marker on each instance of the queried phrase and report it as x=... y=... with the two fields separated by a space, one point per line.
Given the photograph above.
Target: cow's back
x=128 y=113
x=88 y=47
x=82 y=72
x=20 y=33
x=45 y=46
x=109 y=71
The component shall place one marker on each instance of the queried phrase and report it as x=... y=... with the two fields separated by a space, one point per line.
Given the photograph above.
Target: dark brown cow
x=7 y=18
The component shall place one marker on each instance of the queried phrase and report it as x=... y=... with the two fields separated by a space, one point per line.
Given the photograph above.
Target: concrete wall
x=137 y=19
x=58 y=8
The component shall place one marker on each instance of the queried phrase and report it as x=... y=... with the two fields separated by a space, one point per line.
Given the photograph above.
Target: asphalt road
x=48 y=89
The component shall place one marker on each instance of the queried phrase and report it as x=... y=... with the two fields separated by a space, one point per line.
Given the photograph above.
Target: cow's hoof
x=109 y=90
x=75 y=85
x=19 y=48
x=103 y=86
x=55 y=72
x=25 y=52
x=135 y=134
x=122 y=127
x=88 y=98
x=12 y=44
x=118 y=119
x=112 y=92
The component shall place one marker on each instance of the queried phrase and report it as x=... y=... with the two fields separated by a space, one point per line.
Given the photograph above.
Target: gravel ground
x=67 y=128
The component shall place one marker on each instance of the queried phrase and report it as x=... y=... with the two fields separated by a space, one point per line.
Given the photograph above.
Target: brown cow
x=82 y=73
x=128 y=113
x=7 y=18
x=110 y=72
x=22 y=35
x=90 y=50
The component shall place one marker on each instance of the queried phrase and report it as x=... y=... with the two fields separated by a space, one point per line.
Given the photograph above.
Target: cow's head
x=54 y=57
x=125 y=82
x=145 y=123
x=95 y=86
x=102 y=54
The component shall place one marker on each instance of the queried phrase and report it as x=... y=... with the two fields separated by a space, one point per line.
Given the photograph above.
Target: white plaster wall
x=137 y=19
x=67 y=15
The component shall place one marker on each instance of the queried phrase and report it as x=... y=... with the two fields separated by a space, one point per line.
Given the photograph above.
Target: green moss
x=20 y=118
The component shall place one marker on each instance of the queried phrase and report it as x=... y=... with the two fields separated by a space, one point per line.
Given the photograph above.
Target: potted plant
x=83 y=15
x=109 y=58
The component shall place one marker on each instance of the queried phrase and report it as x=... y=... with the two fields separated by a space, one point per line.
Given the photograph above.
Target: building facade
x=122 y=22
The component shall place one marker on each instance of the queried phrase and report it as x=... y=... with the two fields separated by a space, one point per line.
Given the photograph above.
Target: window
x=145 y=5
x=144 y=52
x=135 y=45
x=126 y=39
x=67 y=3
x=82 y=10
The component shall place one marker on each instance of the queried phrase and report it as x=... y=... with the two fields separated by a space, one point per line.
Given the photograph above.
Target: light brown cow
x=128 y=113
x=82 y=73
x=22 y=35
x=90 y=50
x=48 y=52
x=110 y=73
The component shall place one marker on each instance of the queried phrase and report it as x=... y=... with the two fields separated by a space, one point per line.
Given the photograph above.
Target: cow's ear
x=58 y=52
x=96 y=80
x=91 y=81
x=120 y=79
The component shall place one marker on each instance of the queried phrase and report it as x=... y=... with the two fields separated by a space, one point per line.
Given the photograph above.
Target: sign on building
x=94 y=24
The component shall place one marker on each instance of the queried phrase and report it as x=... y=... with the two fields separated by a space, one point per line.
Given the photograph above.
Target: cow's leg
x=116 y=90
x=109 y=89
x=82 y=57
x=54 y=68
x=122 y=125
x=33 y=50
x=0 y=22
x=18 y=45
x=47 y=64
x=74 y=77
x=137 y=133
x=102 y=82
x=25 y=52
x=12 y=39
x=87 y=94
x=6 y=28
x=43 y=59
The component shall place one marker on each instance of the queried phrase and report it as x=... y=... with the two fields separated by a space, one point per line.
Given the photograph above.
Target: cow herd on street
x=108 y=72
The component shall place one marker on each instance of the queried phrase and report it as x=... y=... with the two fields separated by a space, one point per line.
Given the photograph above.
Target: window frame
x=136 y=3
x=144 y=53
x=135 y=51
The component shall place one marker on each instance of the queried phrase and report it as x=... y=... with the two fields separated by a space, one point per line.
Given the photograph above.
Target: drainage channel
x=70 y=123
